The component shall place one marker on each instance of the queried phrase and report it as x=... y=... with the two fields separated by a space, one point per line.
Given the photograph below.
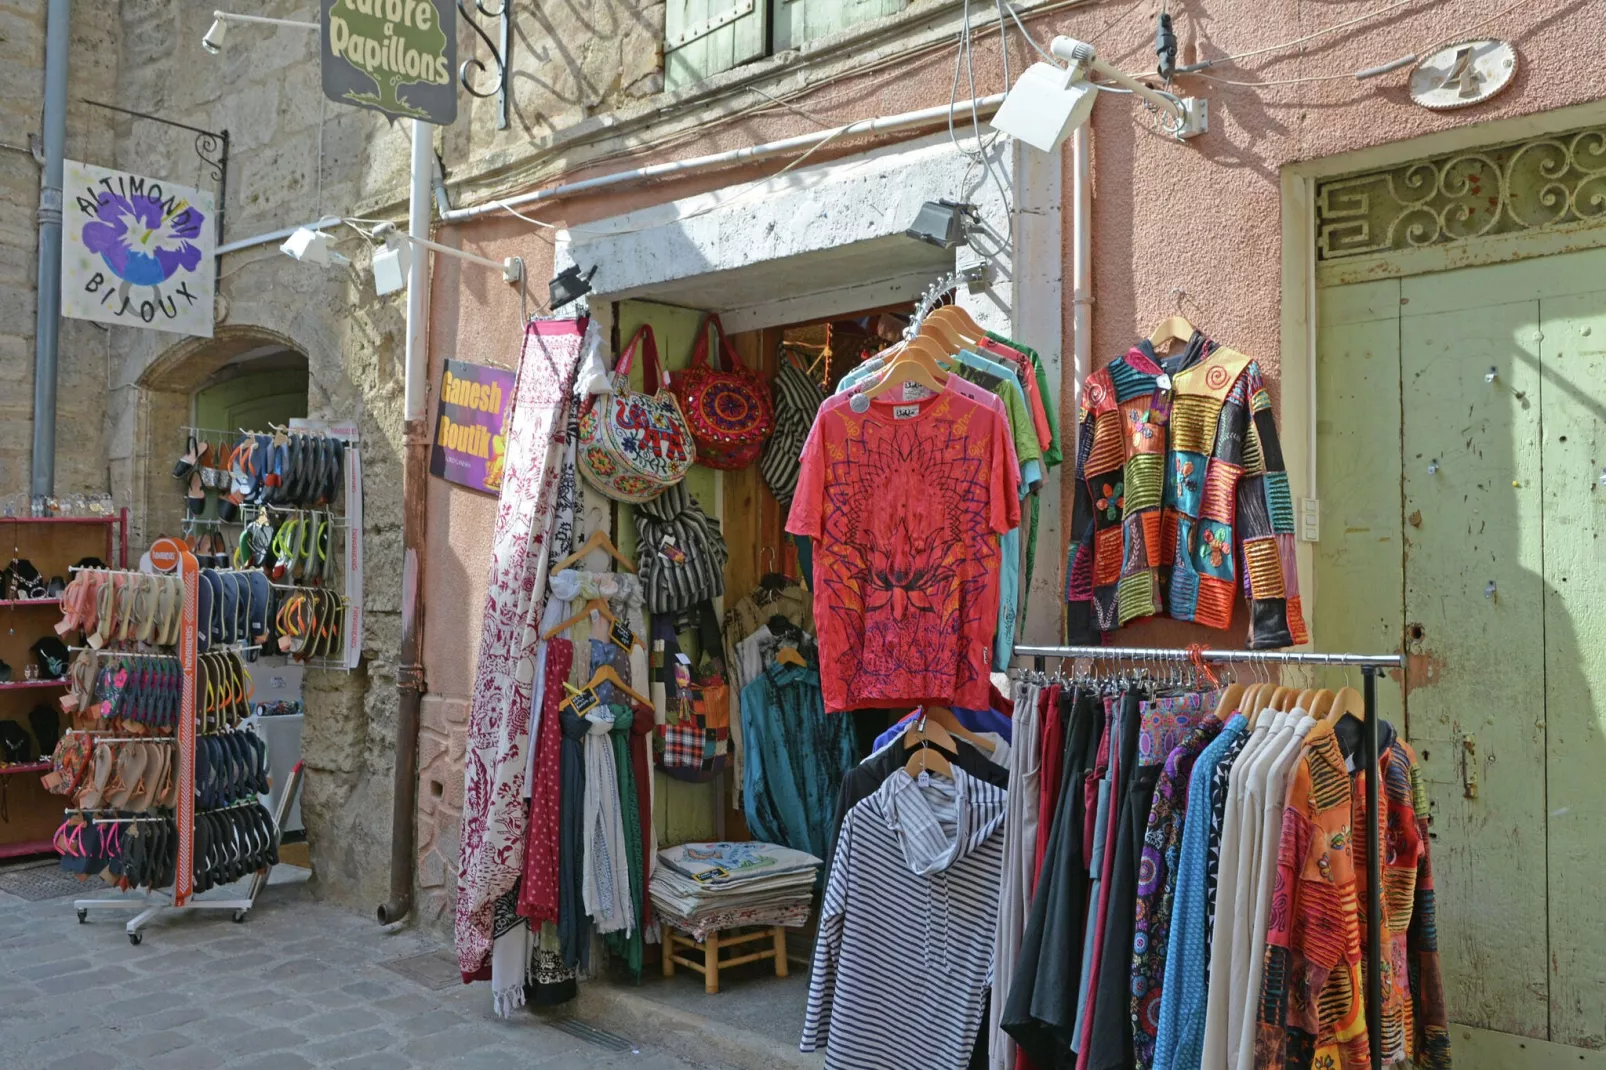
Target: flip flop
x=131 y=760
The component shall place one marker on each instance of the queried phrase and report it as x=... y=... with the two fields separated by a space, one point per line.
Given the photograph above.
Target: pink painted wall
x=1202 y=215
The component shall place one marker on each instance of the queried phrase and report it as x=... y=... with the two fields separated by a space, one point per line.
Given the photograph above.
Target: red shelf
x=20 y=684
x=30 y=767
x=32 y=847
x=30 y=601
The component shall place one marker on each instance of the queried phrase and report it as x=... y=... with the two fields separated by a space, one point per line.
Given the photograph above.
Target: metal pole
x=415 y=470
x=47 y=323
x=1374 y=878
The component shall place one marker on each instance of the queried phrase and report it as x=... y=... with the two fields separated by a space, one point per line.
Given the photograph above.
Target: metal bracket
x=211 y=146
x=500 y=54
x=708 y=26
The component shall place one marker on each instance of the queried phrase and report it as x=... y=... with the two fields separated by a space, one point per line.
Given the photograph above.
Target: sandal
x=131 y=760
x=195 y=497
x=92 y=794
x=186 y=463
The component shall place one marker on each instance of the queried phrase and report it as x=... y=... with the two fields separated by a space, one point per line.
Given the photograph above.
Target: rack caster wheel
x=136 y=938
x=83 y=917
x=239 y=916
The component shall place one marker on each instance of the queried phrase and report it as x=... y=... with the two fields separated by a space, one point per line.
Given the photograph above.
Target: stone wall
x=81 y=453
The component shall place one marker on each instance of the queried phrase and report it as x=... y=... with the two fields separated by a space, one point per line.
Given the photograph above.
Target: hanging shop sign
x=393 y=56
x=137 y=251
x=470 y=431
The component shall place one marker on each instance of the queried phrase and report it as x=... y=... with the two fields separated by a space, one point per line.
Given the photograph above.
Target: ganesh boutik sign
x=471 y=430
x=137 y=251
x=394 y=56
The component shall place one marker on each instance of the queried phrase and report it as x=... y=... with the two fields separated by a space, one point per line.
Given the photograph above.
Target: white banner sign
x=137 y=251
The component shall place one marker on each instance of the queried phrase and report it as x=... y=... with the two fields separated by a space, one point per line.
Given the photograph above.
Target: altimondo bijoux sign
x=393 y=56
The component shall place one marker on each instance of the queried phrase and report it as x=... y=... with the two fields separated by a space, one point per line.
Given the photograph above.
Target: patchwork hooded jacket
x=1182 y=498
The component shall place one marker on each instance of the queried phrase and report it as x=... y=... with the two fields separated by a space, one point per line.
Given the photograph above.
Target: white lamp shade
x=213 y=41
x=1045 y=106
x=311 y=247
x=391 y=265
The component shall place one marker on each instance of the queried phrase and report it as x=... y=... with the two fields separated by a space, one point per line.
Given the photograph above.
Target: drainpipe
x=1081 y=258
x=410 y=673
x=47 y=328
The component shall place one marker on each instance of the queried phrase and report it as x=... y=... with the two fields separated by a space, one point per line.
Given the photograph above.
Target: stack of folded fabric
x=701 y=888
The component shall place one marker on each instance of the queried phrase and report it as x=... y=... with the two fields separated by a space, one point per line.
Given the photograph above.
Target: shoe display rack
x=28 y=813
x=193 y=809
x=287 y=501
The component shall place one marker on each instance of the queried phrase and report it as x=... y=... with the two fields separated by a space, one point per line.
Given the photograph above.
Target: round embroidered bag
x=635 y=446
x=728 y=409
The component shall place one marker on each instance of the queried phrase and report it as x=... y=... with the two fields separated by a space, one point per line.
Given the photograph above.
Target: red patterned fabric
x=906 y=502
x=538 y=894
x=494 y=815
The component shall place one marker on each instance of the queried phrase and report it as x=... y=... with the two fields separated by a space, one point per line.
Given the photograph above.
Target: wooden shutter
x=704 y=37
x=797 y=22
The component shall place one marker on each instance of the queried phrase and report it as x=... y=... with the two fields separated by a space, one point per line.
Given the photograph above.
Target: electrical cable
x=1202 y=65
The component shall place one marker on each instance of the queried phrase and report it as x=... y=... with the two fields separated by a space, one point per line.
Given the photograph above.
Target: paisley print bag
x=728 y=409
x=635 y=446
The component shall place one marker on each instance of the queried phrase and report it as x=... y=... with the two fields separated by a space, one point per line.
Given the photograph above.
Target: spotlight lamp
x=944 y=223
x=312 y=247
x=1049 y=101
x=213 y=41
x=569 y=286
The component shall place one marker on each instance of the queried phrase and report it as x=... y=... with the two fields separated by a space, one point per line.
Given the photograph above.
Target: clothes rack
x=1370 y=665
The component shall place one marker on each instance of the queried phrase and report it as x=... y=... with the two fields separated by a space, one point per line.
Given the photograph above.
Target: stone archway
x=162 y=405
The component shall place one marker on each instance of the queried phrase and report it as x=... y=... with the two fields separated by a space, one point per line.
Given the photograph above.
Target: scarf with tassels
x=494 y=811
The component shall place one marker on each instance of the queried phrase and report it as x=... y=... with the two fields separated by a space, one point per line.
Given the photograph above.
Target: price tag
x=582 y=702
x=1163 y=382
x=622 y=636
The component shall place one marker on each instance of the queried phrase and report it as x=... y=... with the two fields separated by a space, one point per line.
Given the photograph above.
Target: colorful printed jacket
x=1415 y=1022
x=1178 y=492
x=1311 y=1010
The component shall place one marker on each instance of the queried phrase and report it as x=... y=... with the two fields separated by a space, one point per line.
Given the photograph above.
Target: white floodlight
x=1050 y=101
x=312 y=247
x=391 y=264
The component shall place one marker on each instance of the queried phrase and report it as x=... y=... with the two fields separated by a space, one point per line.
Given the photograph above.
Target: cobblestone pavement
x=299 y=984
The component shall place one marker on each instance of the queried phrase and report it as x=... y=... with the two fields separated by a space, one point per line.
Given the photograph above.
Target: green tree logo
x=394 y=42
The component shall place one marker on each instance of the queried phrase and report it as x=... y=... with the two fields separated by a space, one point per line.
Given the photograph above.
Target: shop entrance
x=1461 y=446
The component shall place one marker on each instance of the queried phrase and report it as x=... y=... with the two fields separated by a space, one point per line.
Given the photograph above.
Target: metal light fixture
x=213 y=41
x=312 y=247
x=512 y=268
x=943 y=223
x=392 y=263
x=1050 y=101
x=569 y=286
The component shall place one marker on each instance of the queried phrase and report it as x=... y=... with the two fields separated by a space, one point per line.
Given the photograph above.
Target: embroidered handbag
x=635 y=446
x=728 y=409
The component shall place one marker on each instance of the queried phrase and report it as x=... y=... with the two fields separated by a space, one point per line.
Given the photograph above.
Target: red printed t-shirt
x=905 y=503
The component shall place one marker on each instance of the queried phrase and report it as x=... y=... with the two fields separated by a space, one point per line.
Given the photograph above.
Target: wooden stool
x=717 y=940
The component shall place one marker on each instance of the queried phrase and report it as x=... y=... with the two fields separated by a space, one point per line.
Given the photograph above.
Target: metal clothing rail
x=1370 y=665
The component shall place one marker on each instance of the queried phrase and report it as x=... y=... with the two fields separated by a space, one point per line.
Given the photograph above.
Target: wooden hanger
x=1321 y=704
x=960 y=320
x=941 y=333
x=606 y=675
x=911 y=366
x=1281 y=697
x=1171 y=329
x=1347 y=701
x=1306 y=699
x=1229 y=702
x=788 y=655
x=944 y=716
x=927 y=760
x=598 y=604
x=598 y=540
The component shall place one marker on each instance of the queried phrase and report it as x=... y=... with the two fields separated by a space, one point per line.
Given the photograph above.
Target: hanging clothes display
x=906 y=503
x=1247 y=796
x=1179 y=478
x=494 y=814
x=920 y=859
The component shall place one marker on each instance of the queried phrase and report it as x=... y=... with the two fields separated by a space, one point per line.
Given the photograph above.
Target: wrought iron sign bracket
x=500 y=53
x=212 y=146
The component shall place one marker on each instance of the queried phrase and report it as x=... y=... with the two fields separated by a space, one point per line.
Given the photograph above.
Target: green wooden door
x=1461 y=445
x=253 y=401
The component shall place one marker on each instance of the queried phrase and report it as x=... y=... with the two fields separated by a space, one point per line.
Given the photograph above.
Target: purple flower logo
x=144 y=240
